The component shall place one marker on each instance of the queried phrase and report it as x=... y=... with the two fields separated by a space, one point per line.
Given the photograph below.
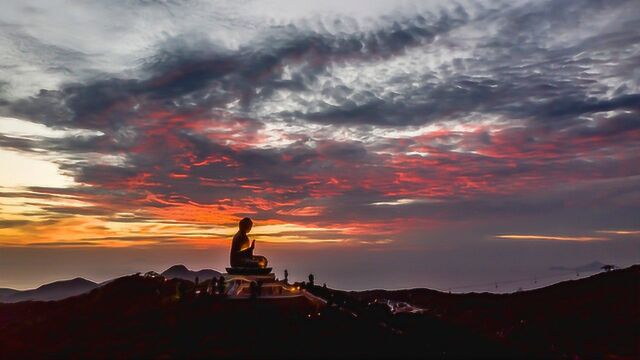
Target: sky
x=378 y=144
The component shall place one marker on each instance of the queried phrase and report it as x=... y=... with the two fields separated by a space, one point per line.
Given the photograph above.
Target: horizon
x=504 y=286
x=540 y=279
x=375 y=144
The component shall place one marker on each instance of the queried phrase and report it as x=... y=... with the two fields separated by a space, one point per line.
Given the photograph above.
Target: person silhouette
x=241 y=252
x=220 y=285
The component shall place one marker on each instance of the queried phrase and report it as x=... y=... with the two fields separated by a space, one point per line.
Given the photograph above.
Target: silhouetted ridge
x=176 y=268
x=592 y=317
x=182 y=272
x=4 y=292
x=152 y=317
x=592 y=266
x=75 y=282
x=53 y=291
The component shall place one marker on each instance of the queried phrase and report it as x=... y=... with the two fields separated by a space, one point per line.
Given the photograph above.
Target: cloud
x=440 y=117
x=188 y=74
x=12 y=223
x=518 y=70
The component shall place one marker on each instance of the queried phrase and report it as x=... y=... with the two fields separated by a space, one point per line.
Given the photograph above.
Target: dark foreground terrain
x=140 y=317
x=596 y=317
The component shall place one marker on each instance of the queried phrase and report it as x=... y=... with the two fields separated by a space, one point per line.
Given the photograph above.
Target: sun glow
x=20 y=170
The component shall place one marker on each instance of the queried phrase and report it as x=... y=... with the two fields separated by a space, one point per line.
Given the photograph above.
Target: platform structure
x=248 y=271
x=239 y=286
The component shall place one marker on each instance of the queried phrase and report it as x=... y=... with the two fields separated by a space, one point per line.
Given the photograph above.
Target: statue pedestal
x=236 y=270
x=238 y=277
x=239 y=286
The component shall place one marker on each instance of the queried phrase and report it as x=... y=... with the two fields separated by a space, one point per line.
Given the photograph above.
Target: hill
x=153 y=317
x=4 y=292
x=52 y=291
x=598 y=316
x=181 y=272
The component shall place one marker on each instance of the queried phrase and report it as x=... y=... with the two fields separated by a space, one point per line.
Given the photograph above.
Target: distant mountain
x=4 y=292
x=181 y=272
x=52 y=291
x=63 y=289
x=593 y=266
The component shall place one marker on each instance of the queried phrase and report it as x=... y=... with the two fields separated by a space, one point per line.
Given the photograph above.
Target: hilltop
x=598 y=315
x=151 y=316
x=182 y=272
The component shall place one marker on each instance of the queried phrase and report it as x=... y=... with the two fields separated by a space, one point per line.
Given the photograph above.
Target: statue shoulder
x=239 y=237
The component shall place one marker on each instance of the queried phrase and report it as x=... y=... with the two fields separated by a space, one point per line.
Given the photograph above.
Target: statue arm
x=246 y=251
x=250 y=248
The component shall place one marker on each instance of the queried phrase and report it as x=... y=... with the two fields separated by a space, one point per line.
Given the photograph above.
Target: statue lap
x=254 y=261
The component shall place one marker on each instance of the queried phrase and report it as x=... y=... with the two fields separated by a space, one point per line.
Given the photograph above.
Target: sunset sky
x=374 y=143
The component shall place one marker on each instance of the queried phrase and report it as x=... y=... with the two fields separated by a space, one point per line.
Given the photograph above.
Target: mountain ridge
x=61 y=289
x=180 y=271
x=56 y=290
x=152 y=317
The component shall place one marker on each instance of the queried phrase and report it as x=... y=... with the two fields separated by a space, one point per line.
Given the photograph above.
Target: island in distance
x=152 y=316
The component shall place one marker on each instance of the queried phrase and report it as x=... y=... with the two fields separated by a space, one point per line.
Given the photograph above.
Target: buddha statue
x=241 y=258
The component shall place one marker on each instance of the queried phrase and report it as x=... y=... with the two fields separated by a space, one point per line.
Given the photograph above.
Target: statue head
x=245 y=225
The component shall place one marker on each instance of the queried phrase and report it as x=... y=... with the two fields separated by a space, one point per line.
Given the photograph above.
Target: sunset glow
x=396 y=129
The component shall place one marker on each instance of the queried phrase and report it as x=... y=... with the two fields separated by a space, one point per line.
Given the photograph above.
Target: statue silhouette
x=241 y=252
